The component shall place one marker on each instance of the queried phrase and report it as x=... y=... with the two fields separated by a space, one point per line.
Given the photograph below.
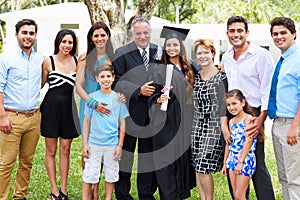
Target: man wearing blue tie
x=284 y=107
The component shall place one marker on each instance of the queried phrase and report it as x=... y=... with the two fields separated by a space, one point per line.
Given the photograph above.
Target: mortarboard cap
x=174 y=32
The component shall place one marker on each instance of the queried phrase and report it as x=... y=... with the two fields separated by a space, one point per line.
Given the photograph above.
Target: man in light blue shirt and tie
x=284 y=107
x=20 y=83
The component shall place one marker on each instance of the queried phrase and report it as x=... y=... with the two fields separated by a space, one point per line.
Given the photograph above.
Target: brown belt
x=284 y=120
x=27 y=113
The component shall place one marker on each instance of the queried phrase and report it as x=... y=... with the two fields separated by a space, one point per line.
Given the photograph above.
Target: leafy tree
x=112 y=12
x=256 y=11
x=167 y=9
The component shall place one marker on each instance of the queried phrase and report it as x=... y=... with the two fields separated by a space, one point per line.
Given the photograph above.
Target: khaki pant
x=287 y=159
x=21 y=143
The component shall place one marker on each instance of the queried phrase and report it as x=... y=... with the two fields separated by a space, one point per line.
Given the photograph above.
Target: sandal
x=54 y=197
x=63 y=196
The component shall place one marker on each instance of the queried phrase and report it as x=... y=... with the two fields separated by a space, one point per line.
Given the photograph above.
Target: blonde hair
x=208 y=44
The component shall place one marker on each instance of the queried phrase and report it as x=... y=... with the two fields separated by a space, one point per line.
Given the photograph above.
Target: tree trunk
x=112 y=12
x=12 y=3
x=1 y=35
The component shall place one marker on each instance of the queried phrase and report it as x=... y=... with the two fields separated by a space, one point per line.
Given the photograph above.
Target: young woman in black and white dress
x=58 y=121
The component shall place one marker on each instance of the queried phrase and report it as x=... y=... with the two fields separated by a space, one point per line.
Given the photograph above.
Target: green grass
x=40 y=187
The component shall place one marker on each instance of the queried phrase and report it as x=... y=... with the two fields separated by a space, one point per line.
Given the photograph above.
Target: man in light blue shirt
x=20 y=82
x=284 y=107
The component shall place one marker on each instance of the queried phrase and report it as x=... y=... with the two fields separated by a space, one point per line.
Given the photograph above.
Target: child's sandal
x=63 y=196
x=54 y=197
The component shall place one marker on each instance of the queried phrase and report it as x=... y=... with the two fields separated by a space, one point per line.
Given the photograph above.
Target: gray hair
x=139 y=20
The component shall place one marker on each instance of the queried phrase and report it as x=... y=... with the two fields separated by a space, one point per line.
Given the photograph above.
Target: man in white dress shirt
x=249 y=68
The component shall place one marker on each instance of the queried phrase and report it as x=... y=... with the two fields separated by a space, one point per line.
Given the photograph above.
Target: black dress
x=172 y=137
x=59 y=115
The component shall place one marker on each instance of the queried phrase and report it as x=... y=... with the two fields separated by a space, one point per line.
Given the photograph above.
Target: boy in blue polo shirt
x=103 y=135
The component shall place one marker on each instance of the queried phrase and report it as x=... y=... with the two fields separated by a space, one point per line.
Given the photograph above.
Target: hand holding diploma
x=167 y=87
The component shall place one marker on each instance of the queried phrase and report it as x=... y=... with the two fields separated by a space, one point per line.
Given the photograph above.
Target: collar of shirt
x=251 y=73
x=146 y=49
x=250 y=50
x=22 y=53
x=290 y=51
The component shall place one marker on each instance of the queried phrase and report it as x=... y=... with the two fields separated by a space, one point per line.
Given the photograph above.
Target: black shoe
x=54 y=197
x=63 y=196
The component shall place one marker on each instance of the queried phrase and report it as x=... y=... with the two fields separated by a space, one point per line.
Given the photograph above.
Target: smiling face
x=237 y=34
x=105 y=79
x=173 y=47
x=141 y=34
x=234 y=105
x=66 y=44
x=26 y=37
x=100 y=38
x=282 y=37
x=204 y=56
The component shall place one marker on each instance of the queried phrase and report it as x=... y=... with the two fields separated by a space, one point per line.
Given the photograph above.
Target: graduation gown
x=172 y=136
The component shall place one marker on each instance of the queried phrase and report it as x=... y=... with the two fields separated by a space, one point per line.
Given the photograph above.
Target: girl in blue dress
x=239 y=158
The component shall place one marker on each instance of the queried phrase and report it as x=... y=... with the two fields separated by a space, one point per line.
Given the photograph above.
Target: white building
x=75 y=16
x=51 y=19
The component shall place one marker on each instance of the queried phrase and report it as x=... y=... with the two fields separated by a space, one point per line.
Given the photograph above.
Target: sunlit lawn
x=40 y=187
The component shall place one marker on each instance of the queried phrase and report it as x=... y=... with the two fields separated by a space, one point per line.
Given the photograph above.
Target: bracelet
x=92 y=103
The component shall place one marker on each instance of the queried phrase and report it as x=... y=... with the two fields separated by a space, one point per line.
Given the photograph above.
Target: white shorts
x=99 y=155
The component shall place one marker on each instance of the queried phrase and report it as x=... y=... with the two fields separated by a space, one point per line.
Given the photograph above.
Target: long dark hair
x=247 y=109
x=91 y=55
x=188 y=72
x=60 y=35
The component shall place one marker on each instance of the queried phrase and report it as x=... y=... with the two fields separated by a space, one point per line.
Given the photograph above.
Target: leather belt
x=27 y=113
x=281 y=119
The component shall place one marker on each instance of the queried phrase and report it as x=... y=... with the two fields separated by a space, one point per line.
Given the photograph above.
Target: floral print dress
x=235 y=149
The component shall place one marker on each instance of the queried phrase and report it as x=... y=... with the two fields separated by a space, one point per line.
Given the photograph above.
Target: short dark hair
x=284 y=21
x=23 y=22
x=60 y=35
x=238 y=19
x=104 y=67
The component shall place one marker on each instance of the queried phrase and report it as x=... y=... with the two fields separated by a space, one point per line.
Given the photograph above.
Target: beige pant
x=21 y=143
x=287 y=159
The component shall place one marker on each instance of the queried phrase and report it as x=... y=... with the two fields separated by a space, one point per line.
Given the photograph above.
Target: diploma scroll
x=169 y=72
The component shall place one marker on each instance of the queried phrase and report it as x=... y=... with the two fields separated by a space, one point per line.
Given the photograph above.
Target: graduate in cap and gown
x=172 y=125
